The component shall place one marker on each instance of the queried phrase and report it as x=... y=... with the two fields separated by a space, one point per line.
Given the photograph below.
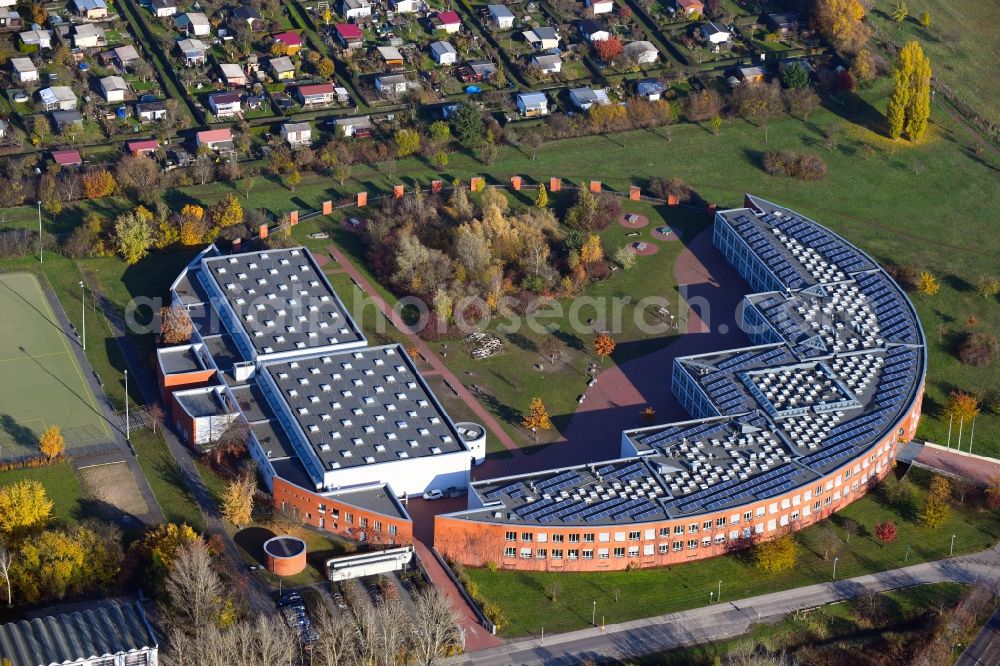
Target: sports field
x=41 y=383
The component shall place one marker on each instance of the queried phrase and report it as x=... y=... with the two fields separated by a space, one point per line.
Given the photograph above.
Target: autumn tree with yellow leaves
x=537 y=417
x=604 y=345
x=910 y=105
x=237 y=500
x=24 y=506
x=840 y=22
x=52 y=444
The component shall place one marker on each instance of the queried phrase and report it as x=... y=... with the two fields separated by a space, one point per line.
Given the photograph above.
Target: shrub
x=978 y=349
x=662 y=187
x=793 y=165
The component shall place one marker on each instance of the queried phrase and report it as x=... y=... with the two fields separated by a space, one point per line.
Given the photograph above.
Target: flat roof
x=282 y=300
x=175 y=360
x=252 y=402
x=201 y=402
x=363 y=407
x=376 y=498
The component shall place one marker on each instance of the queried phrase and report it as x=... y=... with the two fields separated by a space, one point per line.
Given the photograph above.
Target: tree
x=133 y=237
x=801 y=101
x=194 y=590
x=161 y=545
x=937 y=508
x=469 y=126
x=795 y=76
x=542 y=198
x=648 y=414
x=156 y=415
x=978 y=349
x=758 y=101
x=928 y=284
x=604 y=345
x=909 y=107
x=293 y=179
x=592 y=252
x=98 y=183
x=851 y=528
x=237 y=500
x=625 y=257
x=900 y=12
x=139 y=176
x=324 y=68
x=962 y=406
x=885 y=532
x=342 y=172
x=774 y=555
x=52 y=444
x=830 y=543
x=703 y=105
x=537 y=417
x=227 y=212
x=434 y=628
x=553 y=590
x=24 y=506
x=534 y=141
x=6 y=559
x=840 y=22
x=988 y=286
x=608 y=49
x=925 y=19
x=441 y=159
x=407 y=142
x=863 y=67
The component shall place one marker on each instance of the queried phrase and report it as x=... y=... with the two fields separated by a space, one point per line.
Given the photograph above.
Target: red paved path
x=971 y=467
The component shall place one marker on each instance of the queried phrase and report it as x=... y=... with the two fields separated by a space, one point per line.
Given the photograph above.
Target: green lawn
x=46 y=384
x=647 y=592
x=166 y=481
x=850 y=626
x=61 y=485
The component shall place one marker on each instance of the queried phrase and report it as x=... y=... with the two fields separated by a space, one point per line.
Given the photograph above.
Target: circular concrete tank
x=285 y=555
x=474 y=436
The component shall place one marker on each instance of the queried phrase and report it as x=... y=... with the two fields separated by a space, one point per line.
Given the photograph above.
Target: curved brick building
x=784 y=432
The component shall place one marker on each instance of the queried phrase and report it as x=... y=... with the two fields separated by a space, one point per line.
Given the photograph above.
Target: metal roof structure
x=839 y=360
x=76 y=638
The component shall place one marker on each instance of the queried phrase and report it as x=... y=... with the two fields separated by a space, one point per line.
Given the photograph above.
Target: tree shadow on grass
x=856 y=110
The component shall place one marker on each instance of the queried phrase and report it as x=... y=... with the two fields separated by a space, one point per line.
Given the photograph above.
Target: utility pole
x=972 y=433
x=719 y=596
x=951 y=551
x=83 y=313
x=951 y=419
x=127 y=424
x=835 y=567
x=41 y=256
x=593 y=615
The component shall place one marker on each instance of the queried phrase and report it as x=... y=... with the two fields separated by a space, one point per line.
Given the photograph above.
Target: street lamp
x=835 y=567
x=83 y=312
x=593 y=615
x=951 y=551
x=718 y=597
x=711 y=595
x=41 y=256
x=127 y=424
x=907 y=556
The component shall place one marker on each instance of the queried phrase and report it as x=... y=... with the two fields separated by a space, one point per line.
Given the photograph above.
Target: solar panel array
x=849 y=362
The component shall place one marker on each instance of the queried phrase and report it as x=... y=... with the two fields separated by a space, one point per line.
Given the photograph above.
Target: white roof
x=36 y=36
x=390 y=53
x=282 y=64
x=194 y=18
x=533 y=99
x=110 y=83
x=440 y=48
x=187 y=45
x=57 y=94
x=231 y=71
x=88 y=30
x=127 y=52
x=500 y=11
x=23 y=65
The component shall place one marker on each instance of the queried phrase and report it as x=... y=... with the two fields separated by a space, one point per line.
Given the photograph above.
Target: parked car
x=289 y=599
x=433 y=494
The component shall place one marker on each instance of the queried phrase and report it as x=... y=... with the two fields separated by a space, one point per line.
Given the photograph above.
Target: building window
x=364 y=523
x=510 y=536
x=541 y=553
x=720 y=522
x=557 y=538
x=633 y=551
x=525 y=553
x=692 y=544
x=707 y=525
x=573 y=554
x=677 y=546
x=664 y=532
x=378 y=525
x=588 y=554
x=817 y=506
x=557 y=553
x=819 y=489
x=574 y=538
x=619 y=552
x=678 y=529
x=588 y=538
x=706 y=541
x=510 y=551
x=602 y=553
x=847 y=475
x=827 y=501
x=663 y=548
x=392 y=530
x=525 y=536
x=693 y=528
x=348 y=517
x=634 y=536
x=795 y=516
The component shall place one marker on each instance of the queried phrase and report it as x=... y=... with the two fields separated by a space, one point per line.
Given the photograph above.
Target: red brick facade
x=656 y=544
x=336 y=516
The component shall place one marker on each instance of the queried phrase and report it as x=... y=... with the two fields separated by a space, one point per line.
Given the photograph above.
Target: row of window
x=617 y=552
x=348 y=519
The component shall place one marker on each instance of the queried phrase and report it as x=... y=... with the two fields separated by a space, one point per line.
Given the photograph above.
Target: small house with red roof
x=316 y=94
x=291 y=40
x=447 y=21
x=349 y=35
x=219 y=140
x=145 y=147
x=67 y=158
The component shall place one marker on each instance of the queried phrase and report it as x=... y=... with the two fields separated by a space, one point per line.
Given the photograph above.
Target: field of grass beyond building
x=525 y=597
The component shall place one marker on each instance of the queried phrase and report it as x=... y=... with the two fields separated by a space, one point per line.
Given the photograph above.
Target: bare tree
x=6 y=558
x=337 y=641
x=434 y=626
x=156 y=415
x=194 y=589
x=391 y=632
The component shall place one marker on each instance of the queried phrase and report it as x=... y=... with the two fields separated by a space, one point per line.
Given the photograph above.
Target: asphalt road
x=642 y=637
x=985 y=649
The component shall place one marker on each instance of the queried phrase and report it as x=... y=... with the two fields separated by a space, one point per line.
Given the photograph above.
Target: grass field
x=166 y=481
x=44 y=384
x=61 y=486
x=960 y=41
x=847 y=629
x=646 y=592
